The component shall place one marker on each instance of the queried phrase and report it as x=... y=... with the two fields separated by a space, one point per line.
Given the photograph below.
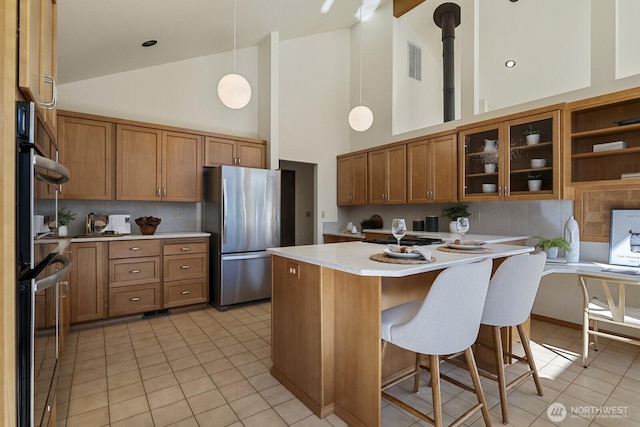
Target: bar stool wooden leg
x=416 y=380
x=502 y=384
x=434 y=368
x=532 y=364
x=475 y=377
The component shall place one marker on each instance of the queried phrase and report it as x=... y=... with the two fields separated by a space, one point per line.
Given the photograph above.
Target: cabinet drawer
x=134 y=271
x=134 y=299
x=185 y=292
x=184 y=248
x=134 y=248
x=177 y=267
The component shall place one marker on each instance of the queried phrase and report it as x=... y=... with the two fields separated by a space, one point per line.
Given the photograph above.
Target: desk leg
x=357 y=349
x=585 y=321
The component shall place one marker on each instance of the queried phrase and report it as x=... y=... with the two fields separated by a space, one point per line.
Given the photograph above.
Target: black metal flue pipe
x=447 y=17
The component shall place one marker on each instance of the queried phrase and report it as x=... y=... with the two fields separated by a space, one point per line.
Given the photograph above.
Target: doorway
x=305 y=218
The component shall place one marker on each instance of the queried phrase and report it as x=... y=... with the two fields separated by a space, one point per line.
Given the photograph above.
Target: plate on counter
x=466 y=244
x=405 y=255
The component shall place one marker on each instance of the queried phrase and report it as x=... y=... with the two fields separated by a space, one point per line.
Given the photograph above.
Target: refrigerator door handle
x=246 y=255
x=224 y=211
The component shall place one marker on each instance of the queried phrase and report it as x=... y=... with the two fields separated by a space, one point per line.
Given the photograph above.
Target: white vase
x=572 y=234
x=62 y=230
x=490 y=168
x=452 y=227
x=533 y=139
x=552 y=253
x=535 y=184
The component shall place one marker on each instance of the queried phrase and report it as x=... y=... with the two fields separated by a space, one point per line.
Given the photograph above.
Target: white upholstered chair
x=511 y=294
x=445 y=322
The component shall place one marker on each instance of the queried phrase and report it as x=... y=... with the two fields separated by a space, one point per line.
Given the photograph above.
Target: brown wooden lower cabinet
x=124 y=277
x=301 y=350
x=328 y=238
x=134 y=299
x=89 y=281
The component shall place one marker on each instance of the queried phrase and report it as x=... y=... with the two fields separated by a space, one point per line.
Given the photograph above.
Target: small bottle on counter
x=90 y=223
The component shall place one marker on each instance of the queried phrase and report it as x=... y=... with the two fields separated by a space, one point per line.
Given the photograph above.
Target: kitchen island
x=326 y=307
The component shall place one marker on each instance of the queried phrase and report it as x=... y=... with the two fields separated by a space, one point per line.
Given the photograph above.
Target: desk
x=614 y=311
x=326 y=306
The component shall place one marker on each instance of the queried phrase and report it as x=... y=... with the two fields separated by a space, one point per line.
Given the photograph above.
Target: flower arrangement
x=488 y=157
x=533 y=175
x=65 y=216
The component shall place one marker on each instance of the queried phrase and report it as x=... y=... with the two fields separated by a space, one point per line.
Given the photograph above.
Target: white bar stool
x=445 y=322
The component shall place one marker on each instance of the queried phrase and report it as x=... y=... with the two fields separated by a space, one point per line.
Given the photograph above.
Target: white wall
x=627 y=36
x=314 y=85
x=182 y=94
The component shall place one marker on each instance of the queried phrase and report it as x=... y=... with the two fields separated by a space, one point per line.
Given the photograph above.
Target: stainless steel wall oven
x=40 y=266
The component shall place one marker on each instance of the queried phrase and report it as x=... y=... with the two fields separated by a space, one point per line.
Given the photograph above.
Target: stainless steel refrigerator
x=242 y=211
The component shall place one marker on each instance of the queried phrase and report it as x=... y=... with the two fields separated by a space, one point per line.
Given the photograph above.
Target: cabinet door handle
x=499 y=190
x=66 y=285
x=158 y=191
x=238 y=160
x=135 y=299
x=185 y=249
x=185 y=292
x=135 y=271
x=164 y=192
x=185 y=267
x=135 y=248
x=54 y=93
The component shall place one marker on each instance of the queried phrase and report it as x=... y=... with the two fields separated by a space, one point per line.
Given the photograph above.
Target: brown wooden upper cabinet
x=153 y=164
x=86 y=149
x=387 y=177
x=37 y=66
x=432 y=170
x=222 y=151
x=514 y=159
x=352 y=179
x=591 y=123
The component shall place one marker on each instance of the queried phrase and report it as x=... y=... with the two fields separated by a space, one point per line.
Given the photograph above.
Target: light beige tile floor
x=211 y=368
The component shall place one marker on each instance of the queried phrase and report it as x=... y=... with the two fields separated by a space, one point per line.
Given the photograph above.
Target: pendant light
x=234 y=90
x=360 y=117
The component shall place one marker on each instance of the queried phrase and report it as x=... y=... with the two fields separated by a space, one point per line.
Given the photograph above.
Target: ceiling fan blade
x=400 y=7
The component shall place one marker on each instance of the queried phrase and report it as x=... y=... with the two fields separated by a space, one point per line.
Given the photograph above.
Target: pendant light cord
x=360 y=58
x=235 y=6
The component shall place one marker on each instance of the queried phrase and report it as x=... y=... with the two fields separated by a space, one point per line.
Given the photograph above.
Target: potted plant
x=532 y=134
x=490 y=160
x=65 y=216
x=534 y=180
x=453 y=213
x=551 y=246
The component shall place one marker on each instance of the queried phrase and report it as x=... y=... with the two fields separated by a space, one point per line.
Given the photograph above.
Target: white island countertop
x=353 y=257
x=489 y=238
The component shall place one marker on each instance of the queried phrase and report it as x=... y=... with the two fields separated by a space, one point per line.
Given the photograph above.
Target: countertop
x=489 y=238
x=108 y=238
x=353 y=257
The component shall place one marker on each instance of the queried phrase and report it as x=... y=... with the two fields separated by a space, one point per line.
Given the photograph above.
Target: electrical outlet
x=322 y=214
x=177 y=215
x=476 y=216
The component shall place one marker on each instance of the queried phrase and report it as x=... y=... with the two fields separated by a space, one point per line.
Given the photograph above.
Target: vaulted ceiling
x=98 y=37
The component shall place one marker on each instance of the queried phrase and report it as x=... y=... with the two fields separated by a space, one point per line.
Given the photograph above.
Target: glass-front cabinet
x=515 y=159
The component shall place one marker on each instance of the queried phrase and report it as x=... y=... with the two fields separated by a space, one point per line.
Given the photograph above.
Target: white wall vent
x=415 y=61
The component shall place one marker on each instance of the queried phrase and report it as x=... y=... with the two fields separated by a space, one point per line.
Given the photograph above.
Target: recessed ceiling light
x=513 y=1
x=510 y=63
x=149 y=43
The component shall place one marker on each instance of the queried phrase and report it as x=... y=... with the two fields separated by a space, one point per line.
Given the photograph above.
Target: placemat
x=390 y=260
x=465 y=251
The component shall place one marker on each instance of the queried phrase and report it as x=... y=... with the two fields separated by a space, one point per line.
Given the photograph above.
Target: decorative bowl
x=489 y=188
x=147 y=230
x=538 y=163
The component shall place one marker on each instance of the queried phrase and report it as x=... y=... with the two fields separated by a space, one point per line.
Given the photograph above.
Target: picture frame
x=624 y=237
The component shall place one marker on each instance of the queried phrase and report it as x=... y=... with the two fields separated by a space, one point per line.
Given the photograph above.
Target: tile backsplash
x=175 y=216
